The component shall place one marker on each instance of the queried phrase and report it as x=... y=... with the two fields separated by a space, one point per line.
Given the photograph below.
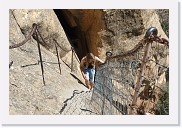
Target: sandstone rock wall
x=91 y=30
x=125 y=28
x=50 y=29
x=27 y=93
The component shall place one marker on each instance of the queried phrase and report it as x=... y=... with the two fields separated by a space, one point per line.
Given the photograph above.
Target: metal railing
x=124 y=78
x=37 y=36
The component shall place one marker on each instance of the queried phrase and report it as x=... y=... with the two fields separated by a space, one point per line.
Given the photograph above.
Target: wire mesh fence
x=131 y=83
x=134 y=82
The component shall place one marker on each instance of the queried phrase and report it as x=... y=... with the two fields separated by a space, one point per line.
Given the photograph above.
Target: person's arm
x=98 y=59
x=81 y=67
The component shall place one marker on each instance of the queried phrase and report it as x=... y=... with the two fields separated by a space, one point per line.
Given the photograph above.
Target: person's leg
x=87 y=82
x=91 y=76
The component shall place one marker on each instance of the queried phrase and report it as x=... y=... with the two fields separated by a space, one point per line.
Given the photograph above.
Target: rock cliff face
x=86 y=30
x=82 y=27
x=50 y=29
x=100 y=30
x=27 y=93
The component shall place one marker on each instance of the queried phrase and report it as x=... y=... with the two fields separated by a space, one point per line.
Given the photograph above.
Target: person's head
x=90 y=56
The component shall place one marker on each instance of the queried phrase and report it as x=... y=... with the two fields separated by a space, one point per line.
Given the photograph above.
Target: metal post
x=57 y=57
x=41 y=63
x=72 y=60
x=111 y=97
x=140 y=78
x=103 y=92
x=108 y=54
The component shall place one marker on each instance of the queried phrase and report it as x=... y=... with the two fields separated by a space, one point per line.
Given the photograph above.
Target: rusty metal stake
x=140 y=78
x=108 y=54
x=104 y=98
x=41 y=63
x=72 y=60
x=57 y=57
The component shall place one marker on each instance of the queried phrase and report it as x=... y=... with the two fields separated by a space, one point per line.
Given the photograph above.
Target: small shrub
x=162 y=106
x=165 y=27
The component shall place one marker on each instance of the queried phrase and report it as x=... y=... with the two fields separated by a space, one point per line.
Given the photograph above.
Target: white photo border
x=171 y=119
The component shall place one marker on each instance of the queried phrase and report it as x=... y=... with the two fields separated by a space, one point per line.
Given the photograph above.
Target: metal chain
x=34 y=28
x=121 y=92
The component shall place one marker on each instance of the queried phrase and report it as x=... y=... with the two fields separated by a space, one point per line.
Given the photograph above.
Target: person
x=87 y=67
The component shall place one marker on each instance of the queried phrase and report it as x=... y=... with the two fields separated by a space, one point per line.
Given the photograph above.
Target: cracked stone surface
x=27 y=94
x=79 y=104
x=62 y=93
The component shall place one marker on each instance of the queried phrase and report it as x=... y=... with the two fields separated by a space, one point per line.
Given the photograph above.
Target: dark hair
x=90 y=56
